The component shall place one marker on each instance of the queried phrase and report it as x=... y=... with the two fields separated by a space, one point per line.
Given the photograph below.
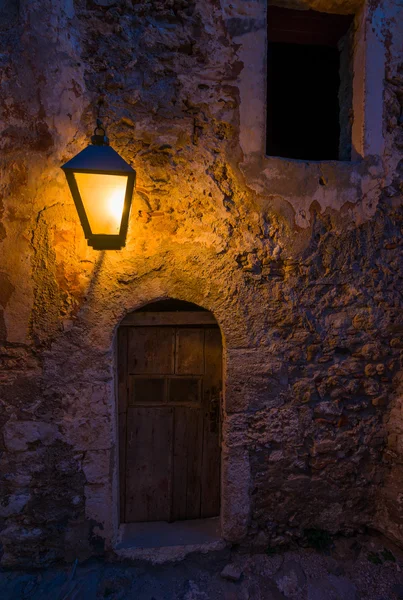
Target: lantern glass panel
x=103 y=197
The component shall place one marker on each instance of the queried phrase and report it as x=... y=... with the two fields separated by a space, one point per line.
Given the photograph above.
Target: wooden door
x=170 y=372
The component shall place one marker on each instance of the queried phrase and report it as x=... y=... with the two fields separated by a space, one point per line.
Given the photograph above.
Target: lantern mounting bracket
x=100 y=139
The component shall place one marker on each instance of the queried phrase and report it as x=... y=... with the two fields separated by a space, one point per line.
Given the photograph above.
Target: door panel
x=151 y=350
x=184 y=390
x=189 y=356
x=147 y=390
x=170 y=445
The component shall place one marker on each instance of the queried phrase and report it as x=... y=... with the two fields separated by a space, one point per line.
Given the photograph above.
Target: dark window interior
x=305 y=91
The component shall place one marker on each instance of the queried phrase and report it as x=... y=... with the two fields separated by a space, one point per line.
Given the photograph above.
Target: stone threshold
x=160 y=542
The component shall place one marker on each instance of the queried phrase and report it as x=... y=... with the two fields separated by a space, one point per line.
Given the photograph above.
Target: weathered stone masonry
x=301 y=264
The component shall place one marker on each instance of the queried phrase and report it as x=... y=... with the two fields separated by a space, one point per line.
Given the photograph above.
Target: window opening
x=309 y=84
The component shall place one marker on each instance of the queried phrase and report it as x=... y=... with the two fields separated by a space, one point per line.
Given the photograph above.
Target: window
x=309 y=84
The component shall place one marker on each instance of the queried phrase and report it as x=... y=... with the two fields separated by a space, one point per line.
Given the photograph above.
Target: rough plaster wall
x=389 y=514
x=309 y=307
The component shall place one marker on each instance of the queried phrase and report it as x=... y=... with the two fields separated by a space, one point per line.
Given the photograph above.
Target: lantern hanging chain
x=100 y=138
x=100 y=124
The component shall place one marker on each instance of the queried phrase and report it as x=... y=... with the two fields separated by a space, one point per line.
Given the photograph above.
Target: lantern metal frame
x=100 y=159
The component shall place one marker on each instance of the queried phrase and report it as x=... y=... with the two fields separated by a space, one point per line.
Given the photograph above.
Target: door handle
x=214 y=414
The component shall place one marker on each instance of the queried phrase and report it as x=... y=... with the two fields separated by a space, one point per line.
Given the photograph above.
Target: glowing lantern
x=101 y=184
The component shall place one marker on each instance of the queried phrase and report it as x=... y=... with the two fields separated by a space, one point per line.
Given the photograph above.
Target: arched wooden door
x=170 y=380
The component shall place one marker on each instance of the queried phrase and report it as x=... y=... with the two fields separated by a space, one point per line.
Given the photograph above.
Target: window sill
x=330 y=184
x=315 y=162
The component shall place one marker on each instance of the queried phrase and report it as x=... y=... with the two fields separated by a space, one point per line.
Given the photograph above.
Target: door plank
x=149 y=464
x=212 y=382
x=187 y=458
x=122 y=407
x=189 y=355
x=122 y=428
x=179 y=483
x=122 y=369
x=161 y=466
x=194 y=462
x=139 y=437
x=151 y=350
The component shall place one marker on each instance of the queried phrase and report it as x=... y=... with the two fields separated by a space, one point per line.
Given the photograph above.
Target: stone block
x=98 y=504
x=88 y=433
x=231 y=572
x=19 y=434
x=291 y=578
x=97 y=466
x=14 y=504
x=235 y=501
x=255 y=379
x=14 y=534
x=332 y=587
x=77 y=540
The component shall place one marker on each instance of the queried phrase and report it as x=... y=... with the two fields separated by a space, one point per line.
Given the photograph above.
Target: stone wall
x=300 y=263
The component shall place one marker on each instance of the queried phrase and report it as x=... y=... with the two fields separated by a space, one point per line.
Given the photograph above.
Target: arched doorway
x=169 y=388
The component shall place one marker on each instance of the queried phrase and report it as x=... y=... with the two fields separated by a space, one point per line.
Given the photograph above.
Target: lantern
x=101 y=184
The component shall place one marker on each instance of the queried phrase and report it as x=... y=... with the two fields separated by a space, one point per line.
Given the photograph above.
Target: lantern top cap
x=98 y=159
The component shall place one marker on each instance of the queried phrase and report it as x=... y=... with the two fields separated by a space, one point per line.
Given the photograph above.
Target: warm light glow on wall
x=103 y=197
